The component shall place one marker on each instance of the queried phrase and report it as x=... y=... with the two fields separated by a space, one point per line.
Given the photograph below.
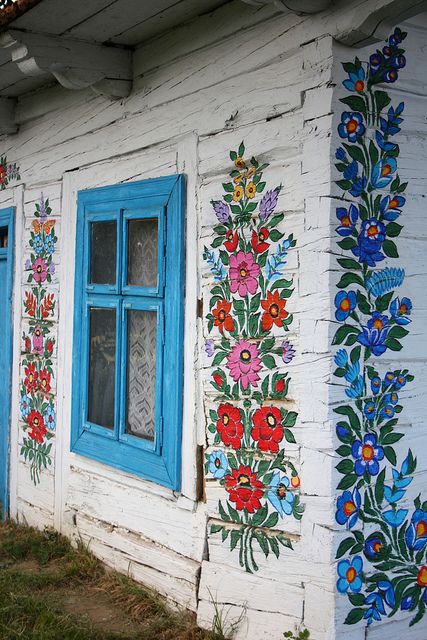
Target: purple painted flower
x=221 y=210
x=288 y=352
x=209 y=348
x=52 y=268
x=27 y=264
x=268 y=203
x=42 y=210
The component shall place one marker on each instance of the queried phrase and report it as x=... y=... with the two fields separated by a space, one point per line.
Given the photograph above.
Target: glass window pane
x=103 y=252
x=102 y=366
x=3 y=238
x=141 y=375
x=142 y=252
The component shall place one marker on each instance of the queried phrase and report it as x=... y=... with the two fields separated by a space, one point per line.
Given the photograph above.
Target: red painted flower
x=422 y=576
x=31 y=377
x=44 y=381
x=267 y=428
x=27 y=344
x=231 y=241
x=49 y=346
x=37 y=427
x=223 y=319
x=244 y=488
x=218 y=379
x=229 y=425
x=259 y=244
x=274 y=311
x=3 y=173
x=280 y=385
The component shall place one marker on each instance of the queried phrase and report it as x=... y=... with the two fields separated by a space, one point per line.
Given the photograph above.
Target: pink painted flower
x=243 y=273
x=38 y=340
x=39 y=270
x=244 y=363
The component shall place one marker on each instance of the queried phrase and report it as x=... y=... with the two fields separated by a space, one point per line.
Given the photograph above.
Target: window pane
x=102 y=363
x=141 y=375
x=103 y=252
x=3 y=238
x=142 y=252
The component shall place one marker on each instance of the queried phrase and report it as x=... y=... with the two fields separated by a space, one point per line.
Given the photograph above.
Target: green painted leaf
x=354 y=616
x=349 y=278
x=269 y=362
x=390 y=249
x=393 y=229
x=272 y=520
x=344 y=546
x=343 y=332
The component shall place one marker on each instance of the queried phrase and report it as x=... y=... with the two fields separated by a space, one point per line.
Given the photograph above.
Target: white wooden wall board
x=396 y=629
x=273 y=596
x=319 y=608
x=33 y=516
x=262 y=625
x=41 y=495
x=24 y=85
x=203 y=32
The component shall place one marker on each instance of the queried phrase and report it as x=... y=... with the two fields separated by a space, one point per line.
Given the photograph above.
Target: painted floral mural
x=8 y=172
x=37 y=399
x=382 y=566
x=248 y=311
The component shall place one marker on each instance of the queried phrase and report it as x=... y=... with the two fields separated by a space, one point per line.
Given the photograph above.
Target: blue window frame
x=128 y=328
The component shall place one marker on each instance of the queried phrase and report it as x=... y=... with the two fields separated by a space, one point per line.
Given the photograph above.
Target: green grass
x=40 y=572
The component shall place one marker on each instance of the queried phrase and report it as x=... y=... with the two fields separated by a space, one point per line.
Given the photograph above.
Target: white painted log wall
x=199 y=90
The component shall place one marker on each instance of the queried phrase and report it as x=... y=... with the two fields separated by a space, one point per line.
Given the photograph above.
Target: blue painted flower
x=38 y=244
x=376 y=385
x=348 y=505
x=400 y=480
x=356 y=81
x=391 y=207
x=281 y=498
x=369 y=410
x=391 y=75
x=370 y=241
x=357 y=388
x=387 y=591
x=375 y=545
x=340 y=154
x=382 y=172
x=395 y=517
x=375 y=609
x=347 y=220
x=49 y=243
x=345 y=303
x=375 y=61
x=390 y=126
x=383 y=143
x=349 y=575
x=351 y=170
x=358 y=187
x=374 y=334
x=387 y=412
x=399 y=382
x=407 y=603
x=401 y=310
x=50 y=418
x=341 y=358
x=388 y=379
x=416 y=533
x=367 y=455
x=218 y=464
x=351 y=126
x=396 y=37
x=352 y=373
x=399 y=61
x=25 y=406
x=391 y=398
x=343 y=432
x=393 y=496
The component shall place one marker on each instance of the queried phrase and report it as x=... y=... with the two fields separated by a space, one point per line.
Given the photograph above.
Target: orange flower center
x=345 y=304
x=373 y=230
x=281 y=491
x=359 y=86
x=403 y=309
x=274 y=310
x=351 y=574
x=377 y=546
x=221 y=315
x=271 y=420
x=245 y=355
x=30 y=377
x=242 y=479
x=225 y=419
x=352 y=126
x=378 y=324
x=217 y=462
x=349 y=508
x=367 y=452
x=295 y=481
x=422 y=576
x=386 y=170
x=243 y=273
x=261 y=237
x=393 y=204
x=36 y=422
x=345 y=221
x=39 y=269
x=421 y=528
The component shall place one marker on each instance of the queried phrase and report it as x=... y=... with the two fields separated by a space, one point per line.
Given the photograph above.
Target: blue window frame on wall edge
x=160 y=462
x=7 y=219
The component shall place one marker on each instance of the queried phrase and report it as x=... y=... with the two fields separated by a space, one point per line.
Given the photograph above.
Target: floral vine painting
x=382 y=565
x=37 y=400
x=8 y=172
x=248 y=312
